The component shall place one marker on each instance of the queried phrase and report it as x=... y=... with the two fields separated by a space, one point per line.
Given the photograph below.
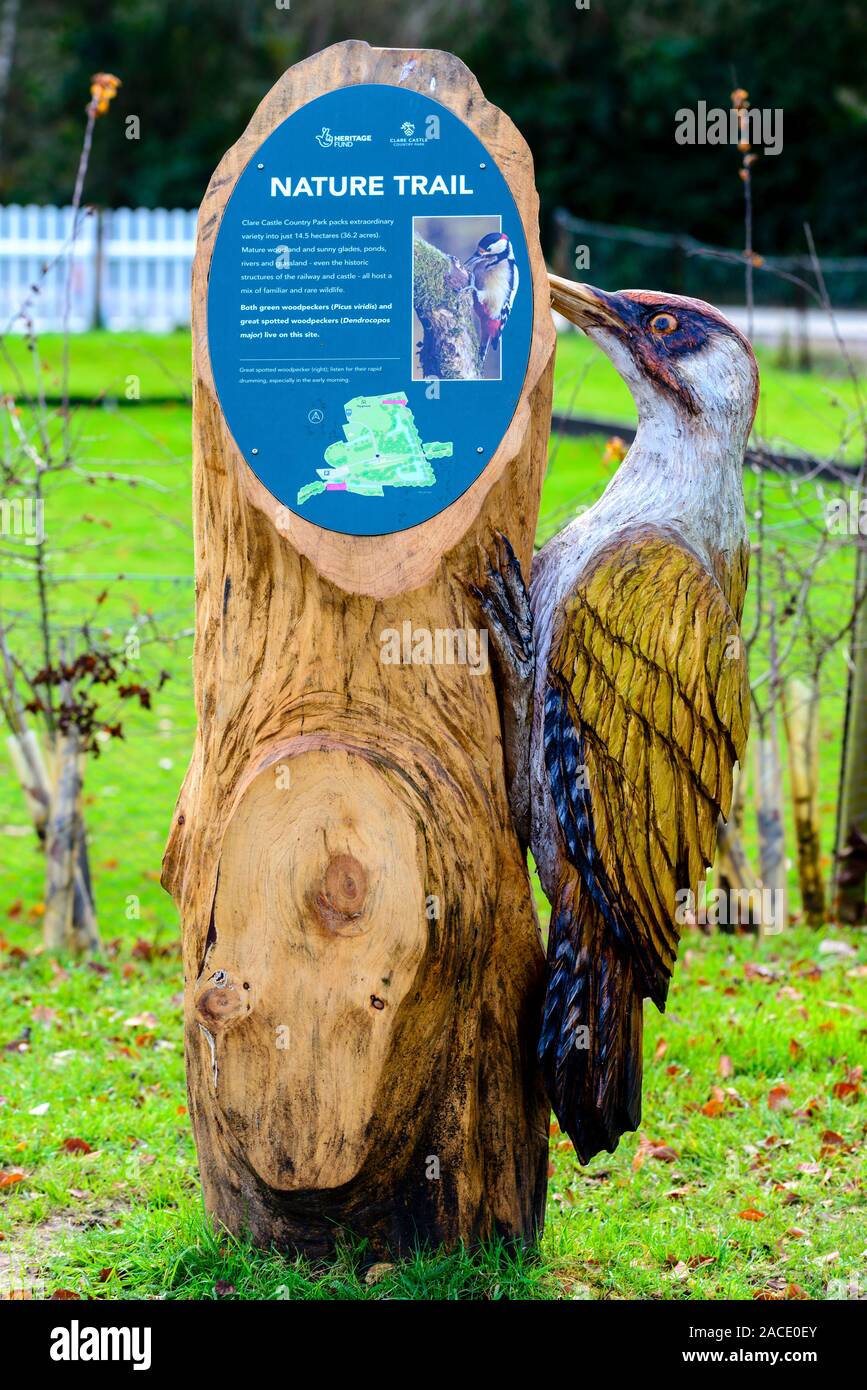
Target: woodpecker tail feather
x=592 y=1025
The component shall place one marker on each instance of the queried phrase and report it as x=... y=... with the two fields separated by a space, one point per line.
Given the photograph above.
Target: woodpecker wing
x=646 y=713
x=508 y=302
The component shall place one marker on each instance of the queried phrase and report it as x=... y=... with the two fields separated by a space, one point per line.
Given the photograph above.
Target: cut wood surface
x=362 y=956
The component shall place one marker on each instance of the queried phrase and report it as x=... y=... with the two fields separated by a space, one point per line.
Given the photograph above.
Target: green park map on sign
x=382 y=449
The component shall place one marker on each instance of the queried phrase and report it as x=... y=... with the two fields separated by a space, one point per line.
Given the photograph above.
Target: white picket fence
x=130 y=268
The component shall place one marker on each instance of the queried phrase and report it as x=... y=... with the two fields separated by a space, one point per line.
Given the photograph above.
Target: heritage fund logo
x=328 y=140
x=77 y=1343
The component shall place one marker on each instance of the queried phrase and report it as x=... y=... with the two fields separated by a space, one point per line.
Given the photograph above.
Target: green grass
x=104 y=365
x=105 y=1057
x=131 y=1206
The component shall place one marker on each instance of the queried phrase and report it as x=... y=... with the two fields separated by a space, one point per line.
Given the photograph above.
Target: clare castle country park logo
x=408 y=135
x=328 y=140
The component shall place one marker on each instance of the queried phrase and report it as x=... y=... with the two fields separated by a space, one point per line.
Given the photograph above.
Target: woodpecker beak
x=583 y=305
x=474 y=260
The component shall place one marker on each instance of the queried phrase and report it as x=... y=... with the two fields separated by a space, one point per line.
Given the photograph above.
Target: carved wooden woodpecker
x=494 y=282
x=624 y=692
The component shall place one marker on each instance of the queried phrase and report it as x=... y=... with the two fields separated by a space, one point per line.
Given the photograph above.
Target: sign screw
x=254 y=451
x=483 y=165
x=479 y=450
x=260 y=166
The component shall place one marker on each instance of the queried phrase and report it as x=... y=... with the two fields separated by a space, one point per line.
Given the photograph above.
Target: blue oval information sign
x=370 y=310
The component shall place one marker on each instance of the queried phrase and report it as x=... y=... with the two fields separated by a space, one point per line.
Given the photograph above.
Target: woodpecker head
x=492 y=248
x=669 y=348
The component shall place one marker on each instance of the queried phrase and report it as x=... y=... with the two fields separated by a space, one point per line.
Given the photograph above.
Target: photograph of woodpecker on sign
x=482 y=273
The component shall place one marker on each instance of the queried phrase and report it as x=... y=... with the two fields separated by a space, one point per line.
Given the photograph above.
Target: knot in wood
x=342 y=895
x=220 y=1004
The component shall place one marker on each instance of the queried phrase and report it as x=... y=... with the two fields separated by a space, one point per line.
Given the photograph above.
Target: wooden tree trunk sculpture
x=363 y=965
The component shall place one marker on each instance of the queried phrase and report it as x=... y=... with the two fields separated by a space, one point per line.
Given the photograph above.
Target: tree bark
x=450 y=343
x=733 y=870
x=801 y=716
x=8 y=31
x=61 y=842
x=851 y=876
x=769 y=813
x=27 y=760
x=363 y=966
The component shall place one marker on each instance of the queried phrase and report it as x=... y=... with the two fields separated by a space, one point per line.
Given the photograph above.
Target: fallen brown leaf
x=664 y=1153
x=754 y=970
x=832 y=1142
x=76 y=1146
x=843 y=1090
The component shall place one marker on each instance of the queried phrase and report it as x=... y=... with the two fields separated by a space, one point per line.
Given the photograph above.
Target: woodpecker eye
x=663 y=324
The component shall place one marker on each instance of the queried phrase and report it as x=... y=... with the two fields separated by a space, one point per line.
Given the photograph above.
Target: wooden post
x=771 y=825
x=851 y=870
x=801 y=718
x=363 y=965
x=61 y=843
